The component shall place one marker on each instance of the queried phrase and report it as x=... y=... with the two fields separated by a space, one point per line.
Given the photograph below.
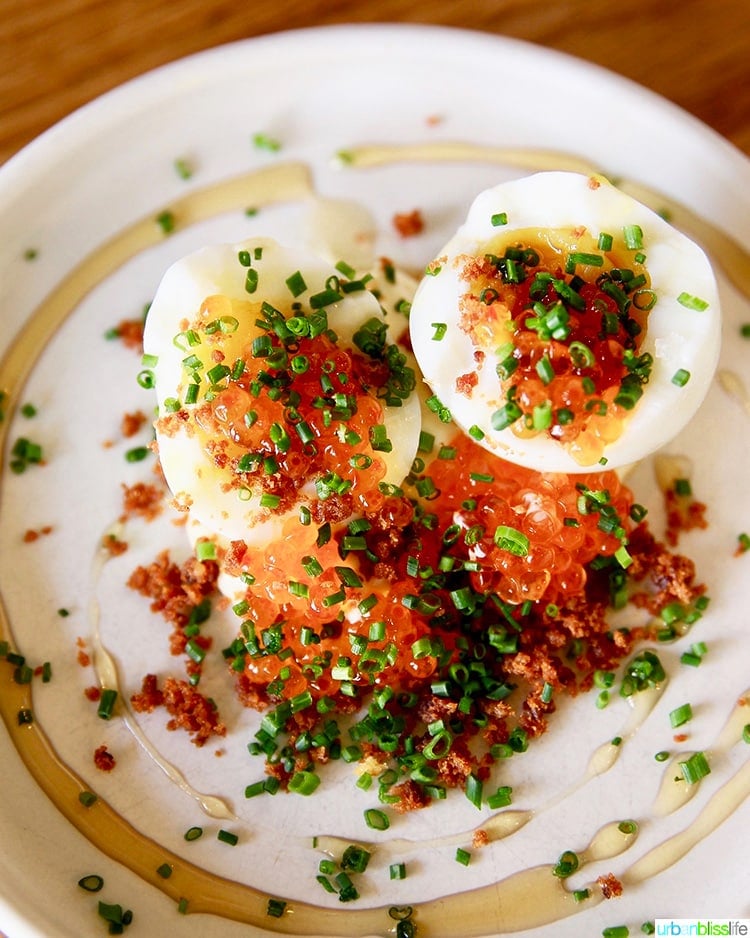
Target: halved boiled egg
x=281 y=393
x=566 y=325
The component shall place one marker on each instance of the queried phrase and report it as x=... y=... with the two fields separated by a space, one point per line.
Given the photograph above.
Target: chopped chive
x=506 y=415
x=91 y=883
x=22 y=674
x=437 y=407
x=227 y=837
x=114 y=914
x=205 y=550
x=581 y=257
x=137 y=454
x=681 y=715
x=692 y=302
x=502 y=798
x=683 y=487
x=355 y=859
x=166 y=221
x=193 y=833
x=251 y=280
x=304 y=782
x=566 y=865
x=473 y=790
x=87 y=798
x=499 y=219
x=633 y=235
x=681 y=377
x=275 y=908
x=265 y=142
x=622 y=556
x=183 y=168
x=463 y=856
x=107 y=703
x=165 y=870
x=512 y=540
x=545 y=370
x=25 y=717
x=376 y=819
x=695 y=768
x=296 y=284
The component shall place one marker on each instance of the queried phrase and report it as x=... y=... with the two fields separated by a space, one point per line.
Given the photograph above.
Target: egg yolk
x=562 y=327
x=294 y=417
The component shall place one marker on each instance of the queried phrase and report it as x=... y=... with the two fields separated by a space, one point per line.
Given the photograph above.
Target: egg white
x=677 y=337
x=215 y=510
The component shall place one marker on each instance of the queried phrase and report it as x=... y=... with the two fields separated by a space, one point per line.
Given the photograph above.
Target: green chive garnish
x=692 y=302
x=681 y=715
x=695 y=768
x=166 y=221
x=91 y=883
x=107 y=703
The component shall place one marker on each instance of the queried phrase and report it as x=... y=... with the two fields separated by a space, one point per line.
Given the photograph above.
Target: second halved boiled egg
x=566 y=325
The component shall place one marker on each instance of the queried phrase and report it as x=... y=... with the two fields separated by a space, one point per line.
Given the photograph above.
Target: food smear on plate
x=385 y=567
x=566 y=326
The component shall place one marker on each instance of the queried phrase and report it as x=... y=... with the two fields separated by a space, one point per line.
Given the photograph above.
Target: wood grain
x=58 y=54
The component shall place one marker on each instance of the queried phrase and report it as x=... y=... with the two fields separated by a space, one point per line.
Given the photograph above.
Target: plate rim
x=84 y=120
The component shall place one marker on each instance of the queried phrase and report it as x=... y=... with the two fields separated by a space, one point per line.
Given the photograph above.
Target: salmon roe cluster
x=458 y=606
x=387 y=598
x=295 y=417
x=552 y=525
x=564 y=339
x=455 y=608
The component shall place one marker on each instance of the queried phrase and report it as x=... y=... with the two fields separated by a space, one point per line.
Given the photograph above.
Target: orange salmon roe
x=557 y=513
x=320 y=423
x=386 y=605
x=564 y=344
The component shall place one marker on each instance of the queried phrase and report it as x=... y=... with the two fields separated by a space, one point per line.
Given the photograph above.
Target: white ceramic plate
x=111 y=164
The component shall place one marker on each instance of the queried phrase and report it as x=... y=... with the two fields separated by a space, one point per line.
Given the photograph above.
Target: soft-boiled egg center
x=281 y=393
x=566 y=326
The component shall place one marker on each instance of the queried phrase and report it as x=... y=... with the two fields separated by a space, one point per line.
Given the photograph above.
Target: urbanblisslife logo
x=703 y=927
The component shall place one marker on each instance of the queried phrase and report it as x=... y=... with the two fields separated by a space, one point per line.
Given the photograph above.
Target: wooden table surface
x=58 y=54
